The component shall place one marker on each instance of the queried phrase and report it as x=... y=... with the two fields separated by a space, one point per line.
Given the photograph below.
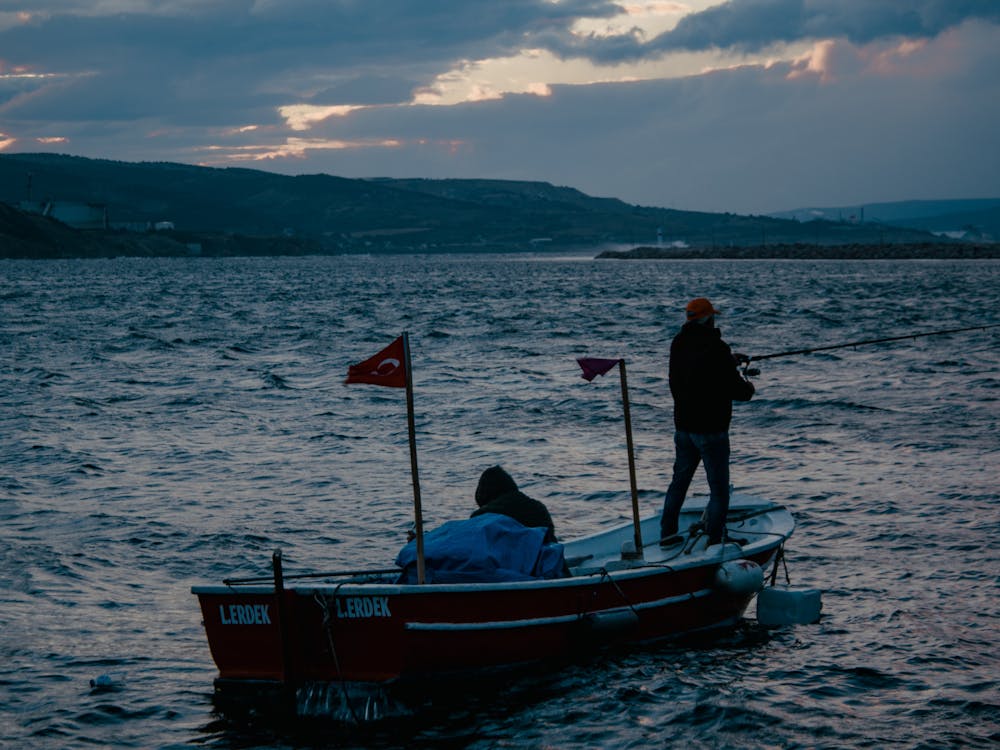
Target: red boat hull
x=368 y=629
x=379 y=633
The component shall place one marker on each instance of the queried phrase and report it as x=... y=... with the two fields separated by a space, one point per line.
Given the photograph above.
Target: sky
x=747 y=106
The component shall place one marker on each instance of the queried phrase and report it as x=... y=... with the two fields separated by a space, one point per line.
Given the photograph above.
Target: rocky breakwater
x=801 y=251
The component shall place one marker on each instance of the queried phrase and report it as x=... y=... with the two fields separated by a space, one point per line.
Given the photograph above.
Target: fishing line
x=866 y=342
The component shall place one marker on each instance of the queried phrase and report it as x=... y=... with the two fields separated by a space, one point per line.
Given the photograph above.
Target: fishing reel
x=748 y=371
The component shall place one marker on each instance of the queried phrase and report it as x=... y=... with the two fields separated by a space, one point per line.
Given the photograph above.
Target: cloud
x=747 y=105
x=296 y=148
x=755 y=138
x=286 y=53
x=758 y=23
x=754 y=25
x=369 y=88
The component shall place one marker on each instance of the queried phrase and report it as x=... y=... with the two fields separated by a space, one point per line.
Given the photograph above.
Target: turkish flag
x=592 y=366
x=387 y=368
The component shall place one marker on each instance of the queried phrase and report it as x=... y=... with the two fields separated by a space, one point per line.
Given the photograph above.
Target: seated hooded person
x=509 y=538
x=497 y=493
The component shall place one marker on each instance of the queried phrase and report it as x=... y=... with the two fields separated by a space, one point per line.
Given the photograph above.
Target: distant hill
x=976 y=218
x=333 y=214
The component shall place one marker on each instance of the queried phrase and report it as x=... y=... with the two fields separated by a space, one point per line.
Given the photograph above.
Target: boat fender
x=616 y=621
x=781 y=605
x=740 y=577
x=596 y=628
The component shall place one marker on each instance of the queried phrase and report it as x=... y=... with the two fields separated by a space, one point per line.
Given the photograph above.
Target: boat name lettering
x=363 y=606
x=245 y=614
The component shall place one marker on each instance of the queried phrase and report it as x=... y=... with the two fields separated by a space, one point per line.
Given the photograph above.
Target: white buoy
x=781 y=605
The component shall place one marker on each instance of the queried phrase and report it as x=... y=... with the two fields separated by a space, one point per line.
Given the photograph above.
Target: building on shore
x=71 y=213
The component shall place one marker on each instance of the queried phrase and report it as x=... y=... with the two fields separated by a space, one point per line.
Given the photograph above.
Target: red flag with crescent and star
x=387 y=368
x=592 y=366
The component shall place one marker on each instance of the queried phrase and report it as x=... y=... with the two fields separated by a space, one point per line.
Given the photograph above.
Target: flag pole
x=417 y=514
x=631 y=459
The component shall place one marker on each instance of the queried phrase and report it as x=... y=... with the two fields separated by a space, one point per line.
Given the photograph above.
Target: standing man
x=704 y=382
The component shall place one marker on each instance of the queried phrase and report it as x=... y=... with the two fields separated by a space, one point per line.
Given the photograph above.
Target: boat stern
x=243 y=627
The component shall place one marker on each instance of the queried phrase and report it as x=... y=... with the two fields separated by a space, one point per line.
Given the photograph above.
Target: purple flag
x=593 y=367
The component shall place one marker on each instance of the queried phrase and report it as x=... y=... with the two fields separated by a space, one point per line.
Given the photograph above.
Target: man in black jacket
x=704 y=382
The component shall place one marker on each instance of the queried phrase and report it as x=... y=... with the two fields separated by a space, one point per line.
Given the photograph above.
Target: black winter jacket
x=704 y=380
x=528 y=511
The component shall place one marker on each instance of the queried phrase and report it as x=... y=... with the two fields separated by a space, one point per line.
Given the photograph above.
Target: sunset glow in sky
x=747 y=106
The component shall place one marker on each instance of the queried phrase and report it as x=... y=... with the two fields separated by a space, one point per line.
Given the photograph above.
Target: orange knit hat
x=700 y=308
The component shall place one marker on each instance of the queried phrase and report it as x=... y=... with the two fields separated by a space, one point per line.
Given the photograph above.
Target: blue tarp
x=485 y=548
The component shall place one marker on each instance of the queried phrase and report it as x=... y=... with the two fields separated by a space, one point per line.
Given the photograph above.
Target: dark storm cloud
x=753 y=139
x=755 y=24
x=343 y=32
x=752 y=25
x=203 y=81
x=179 y=58
x=172 y=60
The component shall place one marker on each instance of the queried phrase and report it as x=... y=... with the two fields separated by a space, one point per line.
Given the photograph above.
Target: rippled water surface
x=171 y=422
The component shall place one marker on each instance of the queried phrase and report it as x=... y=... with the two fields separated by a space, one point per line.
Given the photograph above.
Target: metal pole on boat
x=418 y=518
x=279 y=596
x=592 y=367
x=869 y=341
x=631 y=459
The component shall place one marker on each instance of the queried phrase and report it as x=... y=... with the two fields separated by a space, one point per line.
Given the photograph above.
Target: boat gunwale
x=636 y=569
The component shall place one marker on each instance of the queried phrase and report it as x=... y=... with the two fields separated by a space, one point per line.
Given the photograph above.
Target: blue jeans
x=713 y=450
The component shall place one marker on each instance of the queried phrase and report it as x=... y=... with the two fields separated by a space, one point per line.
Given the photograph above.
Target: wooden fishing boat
x=295 y=631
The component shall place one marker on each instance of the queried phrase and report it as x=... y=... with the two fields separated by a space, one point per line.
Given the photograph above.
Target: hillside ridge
x=264 y=212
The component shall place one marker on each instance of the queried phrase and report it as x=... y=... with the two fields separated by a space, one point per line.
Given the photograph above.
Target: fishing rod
x=745 y=360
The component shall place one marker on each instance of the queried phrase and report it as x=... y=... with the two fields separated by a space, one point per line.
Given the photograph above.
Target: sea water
x=170 y=422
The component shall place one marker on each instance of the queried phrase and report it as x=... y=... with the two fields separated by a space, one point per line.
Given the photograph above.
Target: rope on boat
x=697 y=530
x=328 y=629
x=780 y=557
x=606 y=574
